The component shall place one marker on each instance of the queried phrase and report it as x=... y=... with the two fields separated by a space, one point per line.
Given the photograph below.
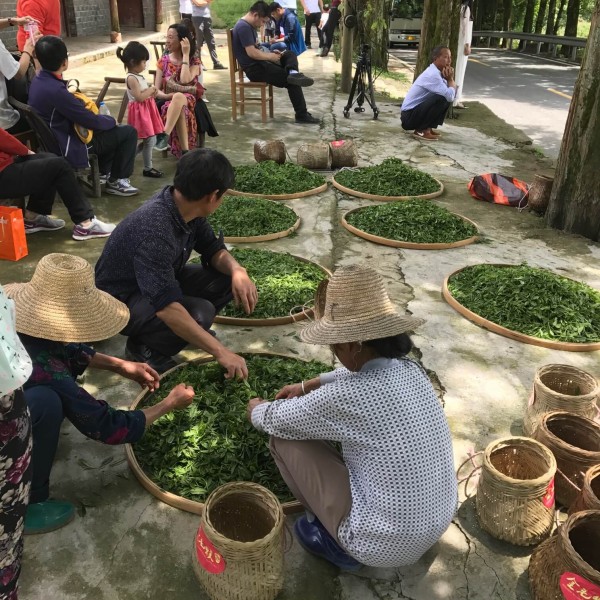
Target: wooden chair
x=239 y=86
x=159 y=48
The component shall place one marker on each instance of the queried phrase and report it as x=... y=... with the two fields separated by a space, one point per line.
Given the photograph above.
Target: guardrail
x=553 y=41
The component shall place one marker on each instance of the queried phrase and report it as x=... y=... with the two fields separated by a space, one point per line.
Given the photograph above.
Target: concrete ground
x=125 y=544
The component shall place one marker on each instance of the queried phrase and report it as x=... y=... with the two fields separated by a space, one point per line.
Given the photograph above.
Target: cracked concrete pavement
x=125 y=544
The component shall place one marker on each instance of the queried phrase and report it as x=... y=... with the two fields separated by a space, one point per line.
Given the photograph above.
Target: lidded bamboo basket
x=344 y=153
x=515 y=495
x=314 y=156
x=238 y=552
x=575 y=443
x=589 y=495
x=573 y=549
x=269 y=150
x=539 y=193
x=564 y=388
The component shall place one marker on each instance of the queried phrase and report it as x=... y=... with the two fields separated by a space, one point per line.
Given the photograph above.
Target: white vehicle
x=405 y=22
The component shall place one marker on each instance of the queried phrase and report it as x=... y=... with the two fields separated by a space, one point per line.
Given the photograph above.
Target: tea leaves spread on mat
x=529 y=300
x=271 y=178
x=191 y=452
x=282 y=281
x=390 y=178
x=417 y=221
x=246 y=217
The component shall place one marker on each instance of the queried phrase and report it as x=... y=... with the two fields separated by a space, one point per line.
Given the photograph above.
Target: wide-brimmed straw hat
x=62 y=303
x=357 y=308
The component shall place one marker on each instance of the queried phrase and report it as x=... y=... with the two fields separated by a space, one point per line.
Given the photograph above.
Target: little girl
x=142 y=112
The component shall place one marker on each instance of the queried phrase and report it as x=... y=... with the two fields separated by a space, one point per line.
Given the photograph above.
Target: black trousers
x=277 y=75
x=310 y=20
x=116 y=150
x=430 y=113
x=41 y=176
x=206 y=291
x=330 y=26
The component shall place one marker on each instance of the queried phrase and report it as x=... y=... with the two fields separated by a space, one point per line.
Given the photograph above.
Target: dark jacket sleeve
x=207 y=243
x=74 y=110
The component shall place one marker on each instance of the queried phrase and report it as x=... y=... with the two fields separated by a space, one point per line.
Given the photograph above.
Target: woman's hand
x=252 y=404
x=290 y=391
x=144 y=374
x=185 y=47
x=22 y=21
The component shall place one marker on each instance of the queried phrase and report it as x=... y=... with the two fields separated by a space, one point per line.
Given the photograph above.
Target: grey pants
x=204 y=32
x=317 y=476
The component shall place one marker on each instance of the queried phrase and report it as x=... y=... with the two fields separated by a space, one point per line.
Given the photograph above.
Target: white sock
x=292 y=72
x=310 y=517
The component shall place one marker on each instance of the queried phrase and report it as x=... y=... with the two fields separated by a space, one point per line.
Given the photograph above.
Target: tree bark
x=572 y=17
x=436 y=30
x=539 y=21
x=559 y=15
x=527 y=22
x=550 y=20
x=575 y=200
x=374 y=23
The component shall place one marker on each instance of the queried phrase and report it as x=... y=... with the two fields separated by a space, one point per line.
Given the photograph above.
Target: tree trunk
x=506 y=14
x=114 y=16
x=375 y=23
x=575 y=200
x=559 y=16
x=572 y=18
x=436 y=30
x=550 y=20
x=527 y=22
x=539 y=22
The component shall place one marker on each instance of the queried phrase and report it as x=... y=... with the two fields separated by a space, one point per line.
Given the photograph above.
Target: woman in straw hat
x=391 y=493
x=57 y=311
x=15 y=448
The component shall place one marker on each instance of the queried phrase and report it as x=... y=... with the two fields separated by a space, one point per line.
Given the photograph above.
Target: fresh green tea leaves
x=532 y=301
x=417 y=221
x=191 y=452
x=271 y=178
x=390 y=178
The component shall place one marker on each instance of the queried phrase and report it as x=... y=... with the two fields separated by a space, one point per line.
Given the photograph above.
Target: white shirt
x=185 y=7
x=396 y=444
x=293 y=4
x=313 y=6
x=8 y=69
x=429 y=82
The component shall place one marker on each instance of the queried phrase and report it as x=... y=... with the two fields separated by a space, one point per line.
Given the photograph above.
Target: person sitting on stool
x=429 y=97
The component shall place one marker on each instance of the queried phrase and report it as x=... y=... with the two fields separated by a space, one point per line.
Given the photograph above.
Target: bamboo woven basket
x=344 y=153
x=575 y=443
x=515 y=495
x=314 y=156
x=270 y=150
x=573 y=549
x=564 y=388
x=244 y=522
x=539 y=193
x=589 y=496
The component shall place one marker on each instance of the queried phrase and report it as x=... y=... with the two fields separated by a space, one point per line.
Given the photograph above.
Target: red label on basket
x=338 y=143
x=575 y=587
x=209 y=557
x=548 y=499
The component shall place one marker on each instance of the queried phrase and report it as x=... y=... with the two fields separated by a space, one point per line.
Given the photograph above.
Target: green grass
x=395 y=76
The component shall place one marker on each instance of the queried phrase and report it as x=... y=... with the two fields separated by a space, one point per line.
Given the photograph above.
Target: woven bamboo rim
x=267 y=237
x=572 y=460
x=253 y=569
x=510 y=333
x=304 y=194
x=367 y=196
x=589 y=496
x=303 y=313
x=515 y=478
x=409 y=245
x=553 y=390
x=169 y=498
x=558 y=555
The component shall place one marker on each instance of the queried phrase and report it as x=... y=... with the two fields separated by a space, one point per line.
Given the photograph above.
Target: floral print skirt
x=190 y=121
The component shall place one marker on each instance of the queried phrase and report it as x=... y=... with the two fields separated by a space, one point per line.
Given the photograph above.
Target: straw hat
x=357 y=308
x=63 y=304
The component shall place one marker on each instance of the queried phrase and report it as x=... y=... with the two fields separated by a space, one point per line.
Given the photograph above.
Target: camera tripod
x=362 y=85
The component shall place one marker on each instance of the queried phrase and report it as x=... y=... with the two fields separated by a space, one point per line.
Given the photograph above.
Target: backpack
x=499 y=189
x=83 y=133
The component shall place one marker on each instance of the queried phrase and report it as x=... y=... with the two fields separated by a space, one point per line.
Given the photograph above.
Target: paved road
x=528 y=92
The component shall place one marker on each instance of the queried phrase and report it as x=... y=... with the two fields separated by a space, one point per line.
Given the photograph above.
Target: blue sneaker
x=314 y=538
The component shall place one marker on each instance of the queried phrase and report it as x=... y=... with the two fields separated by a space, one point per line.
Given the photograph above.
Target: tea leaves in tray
x=532 y=301
x=390 y=178
x=271 y=178
x=191 y=452
x=417 y=221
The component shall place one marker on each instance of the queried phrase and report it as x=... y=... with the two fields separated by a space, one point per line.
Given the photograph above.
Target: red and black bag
x=499 y=189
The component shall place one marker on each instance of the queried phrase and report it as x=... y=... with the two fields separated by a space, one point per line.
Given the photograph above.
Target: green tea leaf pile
x=191 y=452
x=532 y=301
x=417 y=221
x=239 y=216
x=390 y=178
x=271 y=178
x=282 y=281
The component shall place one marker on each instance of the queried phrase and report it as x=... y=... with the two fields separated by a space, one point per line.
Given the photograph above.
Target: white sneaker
x=98 y=229
x=121 y=187
x=43 y=223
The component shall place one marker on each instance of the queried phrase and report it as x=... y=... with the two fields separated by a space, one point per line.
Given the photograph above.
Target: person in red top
x=41 y=176
x=45 y=12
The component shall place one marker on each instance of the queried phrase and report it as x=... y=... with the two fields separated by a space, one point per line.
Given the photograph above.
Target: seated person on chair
x=429 y=97
x=114 y=145
x=277 y=68
x=41 y=176
x=145 y=265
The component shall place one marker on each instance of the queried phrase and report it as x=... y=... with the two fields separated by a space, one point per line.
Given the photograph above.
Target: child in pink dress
x=142 y=112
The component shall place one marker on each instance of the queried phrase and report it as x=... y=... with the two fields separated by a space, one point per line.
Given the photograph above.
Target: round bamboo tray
x=304 y=194
x=509 y=333
x=305 y=313
x=191 y=506
x=367 y=196
x=409 y=245
x=267 y=237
